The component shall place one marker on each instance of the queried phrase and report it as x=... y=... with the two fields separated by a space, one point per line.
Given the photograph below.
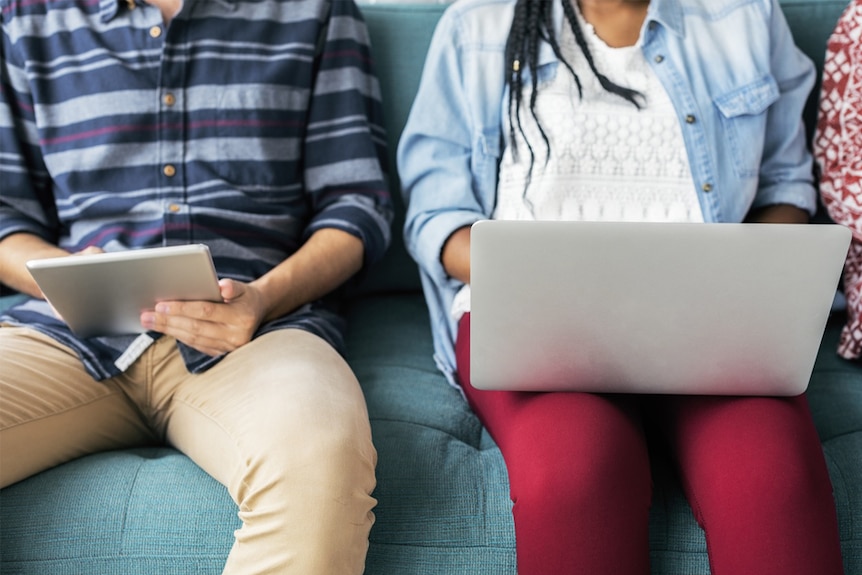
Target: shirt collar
x=669 y=14
x=108 y=9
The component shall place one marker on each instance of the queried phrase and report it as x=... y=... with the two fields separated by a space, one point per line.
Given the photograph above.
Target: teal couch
x=442 y=487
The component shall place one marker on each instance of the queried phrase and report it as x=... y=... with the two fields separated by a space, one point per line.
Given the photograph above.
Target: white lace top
x=609 y=161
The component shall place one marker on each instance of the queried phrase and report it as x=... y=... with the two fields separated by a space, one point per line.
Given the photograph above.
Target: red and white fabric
x=838 y=153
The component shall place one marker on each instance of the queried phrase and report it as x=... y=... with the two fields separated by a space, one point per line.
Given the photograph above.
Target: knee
x=320 y=452
x=581 y=485
x=772 y=484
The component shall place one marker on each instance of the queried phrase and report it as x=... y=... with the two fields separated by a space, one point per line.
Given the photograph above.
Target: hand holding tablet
x=105 y=293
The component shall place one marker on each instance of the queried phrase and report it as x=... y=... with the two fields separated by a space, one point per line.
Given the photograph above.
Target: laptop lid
x=684 y=308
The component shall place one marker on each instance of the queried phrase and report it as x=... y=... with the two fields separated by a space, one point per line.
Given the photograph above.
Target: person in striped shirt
x=253 y=127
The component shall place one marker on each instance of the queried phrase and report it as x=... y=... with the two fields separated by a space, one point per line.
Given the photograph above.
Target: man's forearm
x=328 y=259
x=15 y=251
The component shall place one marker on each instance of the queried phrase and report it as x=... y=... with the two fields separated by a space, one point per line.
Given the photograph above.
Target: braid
x=532 y=23
x=625 y=93
x=516 y=59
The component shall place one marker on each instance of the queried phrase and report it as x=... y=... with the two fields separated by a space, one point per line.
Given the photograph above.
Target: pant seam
x=56 y=413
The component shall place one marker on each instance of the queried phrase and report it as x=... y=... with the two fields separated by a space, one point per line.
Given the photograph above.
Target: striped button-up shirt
x=243 y=125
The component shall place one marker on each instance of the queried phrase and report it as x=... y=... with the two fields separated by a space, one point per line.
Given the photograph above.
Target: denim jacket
x=735 y=77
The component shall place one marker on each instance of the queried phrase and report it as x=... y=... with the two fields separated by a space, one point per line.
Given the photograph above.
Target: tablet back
x=104 y=294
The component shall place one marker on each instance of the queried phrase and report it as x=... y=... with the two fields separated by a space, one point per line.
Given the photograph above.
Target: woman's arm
x=456 y=255
x=778 y=214
x=444 y=151
x=786 y=170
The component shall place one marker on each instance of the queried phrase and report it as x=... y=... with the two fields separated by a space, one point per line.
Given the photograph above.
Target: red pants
x=579 y=473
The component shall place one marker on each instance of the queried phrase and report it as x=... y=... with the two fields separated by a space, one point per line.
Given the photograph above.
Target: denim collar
x=667 y=13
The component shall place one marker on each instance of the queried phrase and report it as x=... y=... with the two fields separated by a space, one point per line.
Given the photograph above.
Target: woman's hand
x=456 y=255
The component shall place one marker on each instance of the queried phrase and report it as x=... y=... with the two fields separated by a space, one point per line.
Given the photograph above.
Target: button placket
x=171 y=137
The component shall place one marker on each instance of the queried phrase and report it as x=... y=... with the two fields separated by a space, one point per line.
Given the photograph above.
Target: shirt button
x=707 y=187
x=652 y=25
x=155 y=31
x=659 y=59
x=169 y=99
x=174 y=208
x=690 y=119
x=169 y=170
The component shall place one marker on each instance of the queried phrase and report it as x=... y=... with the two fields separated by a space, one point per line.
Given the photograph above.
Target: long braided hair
x=532 y=24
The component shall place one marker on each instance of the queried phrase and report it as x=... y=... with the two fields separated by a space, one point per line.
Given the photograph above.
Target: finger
x=236 y=316
x=89 y=250
x=230 y=289
x=174 y=324
x=199 y=310
x=202 y=336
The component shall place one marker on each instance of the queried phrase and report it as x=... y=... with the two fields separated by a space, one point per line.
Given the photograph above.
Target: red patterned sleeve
x=838 y=153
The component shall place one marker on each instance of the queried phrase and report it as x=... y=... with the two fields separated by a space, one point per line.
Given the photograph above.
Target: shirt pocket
x=742 y=113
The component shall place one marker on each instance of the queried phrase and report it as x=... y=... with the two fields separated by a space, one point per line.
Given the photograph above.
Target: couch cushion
x=442 y=490
x=136 y=512
x=835 y=397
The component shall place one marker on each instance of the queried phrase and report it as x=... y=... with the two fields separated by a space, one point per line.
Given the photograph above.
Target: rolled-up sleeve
x=786 y=173
x=25 y=193
x=435 y=155
x=345 y=145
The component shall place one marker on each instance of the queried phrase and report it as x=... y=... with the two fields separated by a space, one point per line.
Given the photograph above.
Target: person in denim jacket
x=669 y=110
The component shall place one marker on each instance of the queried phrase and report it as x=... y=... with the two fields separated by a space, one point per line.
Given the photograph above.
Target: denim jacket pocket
x=743 y=112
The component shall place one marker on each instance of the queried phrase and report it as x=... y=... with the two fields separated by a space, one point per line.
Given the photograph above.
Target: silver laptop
x=650 y=308
x=104 y=294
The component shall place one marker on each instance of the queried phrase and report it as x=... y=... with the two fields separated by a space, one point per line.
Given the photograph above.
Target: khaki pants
x=281 y=422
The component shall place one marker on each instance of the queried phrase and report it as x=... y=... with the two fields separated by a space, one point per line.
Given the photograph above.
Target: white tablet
x=104 y=294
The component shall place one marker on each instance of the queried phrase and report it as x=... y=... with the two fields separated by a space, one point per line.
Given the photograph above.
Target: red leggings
x=579 y=473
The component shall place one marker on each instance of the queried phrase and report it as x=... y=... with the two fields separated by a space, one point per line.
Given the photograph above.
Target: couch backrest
x=812 y=21
x=400 y=34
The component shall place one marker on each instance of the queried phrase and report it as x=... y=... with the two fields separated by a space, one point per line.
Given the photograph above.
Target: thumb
x=230 y=289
